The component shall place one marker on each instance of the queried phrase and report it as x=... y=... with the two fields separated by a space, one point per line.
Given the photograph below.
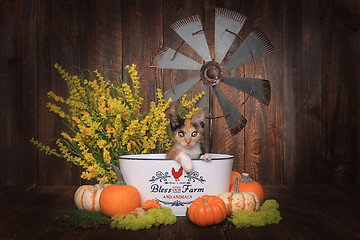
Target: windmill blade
x=191 y=30
x=202 y=103
x=234 y=119
x=257 y=88
x=168 y=58
x=227 y=24
x=180 y=89
x=255 y=46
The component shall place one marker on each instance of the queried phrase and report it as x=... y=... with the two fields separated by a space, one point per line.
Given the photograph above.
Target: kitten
x=187 y=136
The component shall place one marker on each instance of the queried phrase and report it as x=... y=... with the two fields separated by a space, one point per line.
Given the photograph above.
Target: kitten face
x=188 y=135
x=188 y=132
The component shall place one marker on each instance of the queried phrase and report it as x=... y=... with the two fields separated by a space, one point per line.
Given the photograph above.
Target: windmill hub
x=211 y=73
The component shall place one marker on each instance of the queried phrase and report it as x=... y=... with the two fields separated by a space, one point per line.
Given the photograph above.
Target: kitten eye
x=194 y=134
x=181 y=134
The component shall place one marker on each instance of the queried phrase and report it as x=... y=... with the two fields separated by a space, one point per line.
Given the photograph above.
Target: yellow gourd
x=240 y=201
x=87 y=196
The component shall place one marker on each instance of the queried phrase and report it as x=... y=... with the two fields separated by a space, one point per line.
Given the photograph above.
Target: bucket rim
x=162 y=157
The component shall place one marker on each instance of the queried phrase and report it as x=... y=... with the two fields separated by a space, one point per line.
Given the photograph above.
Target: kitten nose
x=188 y=141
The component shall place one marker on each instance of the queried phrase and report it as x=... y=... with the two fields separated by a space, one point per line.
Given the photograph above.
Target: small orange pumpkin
x=149 y=204
x=119 y=199
x=246 y=184
x=234 y=174
x=207 y=210
x=240 y=201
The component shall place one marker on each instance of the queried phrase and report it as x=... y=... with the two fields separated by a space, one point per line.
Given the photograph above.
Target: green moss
x=268 y=214
x=154 y=217
x=84 y=219
x=131 y=222
x=162 y=216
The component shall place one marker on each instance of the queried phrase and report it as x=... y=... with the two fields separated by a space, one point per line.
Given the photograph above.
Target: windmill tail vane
x=228 y=24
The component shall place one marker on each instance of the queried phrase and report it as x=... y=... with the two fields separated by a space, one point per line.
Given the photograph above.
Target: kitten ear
x=174 y=119
x=199 y=118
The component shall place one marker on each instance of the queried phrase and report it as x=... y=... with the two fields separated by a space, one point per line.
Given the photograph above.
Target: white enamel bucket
x=162 y=179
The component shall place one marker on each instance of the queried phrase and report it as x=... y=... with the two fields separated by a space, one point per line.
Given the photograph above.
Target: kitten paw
x=187 y=167
x=185 y=162
x=205 y=158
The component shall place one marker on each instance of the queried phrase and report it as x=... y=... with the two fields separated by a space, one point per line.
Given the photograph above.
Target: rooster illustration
x=177 y=174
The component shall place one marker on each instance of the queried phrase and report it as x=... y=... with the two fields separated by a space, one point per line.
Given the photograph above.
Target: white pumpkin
x=240 y=201
x=87 y=196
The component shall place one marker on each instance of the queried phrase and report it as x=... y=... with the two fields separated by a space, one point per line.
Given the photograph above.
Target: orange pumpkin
x=119 y=199
x=207 y=210
x=149 y=204
x=246 y=184
x=234 y=174
x=239 y=201
x=87 y=197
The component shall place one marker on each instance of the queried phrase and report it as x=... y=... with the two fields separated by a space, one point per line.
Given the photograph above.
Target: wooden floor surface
x=308 y=212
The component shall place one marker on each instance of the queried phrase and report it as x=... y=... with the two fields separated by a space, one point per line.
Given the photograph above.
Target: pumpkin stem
x=205 y=201
x=101 y=184
x=236 y=186
x=245 y=178
x=119 y=176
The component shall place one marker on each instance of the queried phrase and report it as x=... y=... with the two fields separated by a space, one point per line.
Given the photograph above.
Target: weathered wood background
x=308 y=134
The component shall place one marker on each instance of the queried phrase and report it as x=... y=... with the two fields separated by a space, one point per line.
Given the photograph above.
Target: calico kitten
x=187 y=136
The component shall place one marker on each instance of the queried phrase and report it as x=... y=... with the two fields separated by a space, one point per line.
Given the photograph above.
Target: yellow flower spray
x=187 y=104
x=104 y=121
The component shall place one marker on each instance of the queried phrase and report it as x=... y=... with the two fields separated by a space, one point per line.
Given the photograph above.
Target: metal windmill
x=228 y=24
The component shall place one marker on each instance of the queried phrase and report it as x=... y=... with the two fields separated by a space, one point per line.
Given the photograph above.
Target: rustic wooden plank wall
x=308 y=134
